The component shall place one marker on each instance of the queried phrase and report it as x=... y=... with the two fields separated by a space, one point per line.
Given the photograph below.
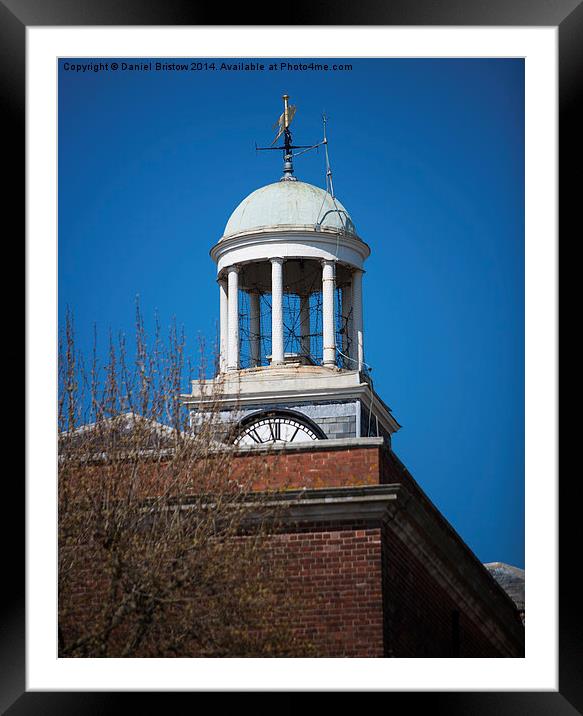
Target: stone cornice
x=256 y=387
x=313 y=446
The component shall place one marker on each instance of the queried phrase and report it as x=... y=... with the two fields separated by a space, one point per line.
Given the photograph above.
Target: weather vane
x=282 y=126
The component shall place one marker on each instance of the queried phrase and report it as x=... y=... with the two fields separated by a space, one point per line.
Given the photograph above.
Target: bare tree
x=164 y=549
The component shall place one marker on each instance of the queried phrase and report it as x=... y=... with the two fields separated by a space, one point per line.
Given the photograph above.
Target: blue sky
x=428 y=157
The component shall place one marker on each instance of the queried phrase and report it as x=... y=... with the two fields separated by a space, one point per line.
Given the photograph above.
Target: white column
x=357 y=318
x=276 y=311
x=224 y=325
x=305 y=347
x=347 y=343
x=254 y=327
x=328 y=329
x=233 y=337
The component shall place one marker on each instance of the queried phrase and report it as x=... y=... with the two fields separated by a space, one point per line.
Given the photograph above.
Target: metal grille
x=292 y=330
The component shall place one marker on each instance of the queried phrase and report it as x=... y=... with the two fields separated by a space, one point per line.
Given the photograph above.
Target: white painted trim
x=274 y=243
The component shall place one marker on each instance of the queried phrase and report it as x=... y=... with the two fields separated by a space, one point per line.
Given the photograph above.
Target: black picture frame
x=15 y=17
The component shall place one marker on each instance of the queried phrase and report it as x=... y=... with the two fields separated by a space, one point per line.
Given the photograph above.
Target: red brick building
x=374 y=569
x=385 y=572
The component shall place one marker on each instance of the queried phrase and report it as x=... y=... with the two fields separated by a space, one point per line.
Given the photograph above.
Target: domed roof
x=292 y=204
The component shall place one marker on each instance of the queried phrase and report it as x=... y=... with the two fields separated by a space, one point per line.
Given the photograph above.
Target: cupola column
x=276 y=311
x=254 y=327
x=328 y=328
x=357 y=337
x=223 y=325
x=233 y=338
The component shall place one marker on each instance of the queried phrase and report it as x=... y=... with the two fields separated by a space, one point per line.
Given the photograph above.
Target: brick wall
x=316 y=468
x=319 y=465
x=334 y=576
x=330 y=576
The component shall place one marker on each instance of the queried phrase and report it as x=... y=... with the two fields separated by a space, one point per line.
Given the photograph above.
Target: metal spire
x=288 y=168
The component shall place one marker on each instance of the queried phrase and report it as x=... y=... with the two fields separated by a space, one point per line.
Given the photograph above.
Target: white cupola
x=289 y=268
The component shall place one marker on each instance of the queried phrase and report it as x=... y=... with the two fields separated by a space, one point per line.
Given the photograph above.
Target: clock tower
x=377 y=568
x=290 y=266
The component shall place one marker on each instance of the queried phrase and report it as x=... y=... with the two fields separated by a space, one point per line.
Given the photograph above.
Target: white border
x=538 y=671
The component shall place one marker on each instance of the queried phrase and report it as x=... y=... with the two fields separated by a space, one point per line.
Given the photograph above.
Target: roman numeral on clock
x=275 y=429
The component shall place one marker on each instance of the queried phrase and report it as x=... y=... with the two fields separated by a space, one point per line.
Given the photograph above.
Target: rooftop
x=511 y=579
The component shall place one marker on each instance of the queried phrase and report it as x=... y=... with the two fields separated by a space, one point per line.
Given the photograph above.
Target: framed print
x=48 y=52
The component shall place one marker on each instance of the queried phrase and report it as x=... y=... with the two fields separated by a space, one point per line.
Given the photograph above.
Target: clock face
x=275 y=429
